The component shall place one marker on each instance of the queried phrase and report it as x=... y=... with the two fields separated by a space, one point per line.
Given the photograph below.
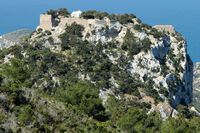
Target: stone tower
x=46 y=22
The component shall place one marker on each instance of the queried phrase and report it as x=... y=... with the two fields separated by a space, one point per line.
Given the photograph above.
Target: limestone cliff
x=164 y=64
x=196 y=86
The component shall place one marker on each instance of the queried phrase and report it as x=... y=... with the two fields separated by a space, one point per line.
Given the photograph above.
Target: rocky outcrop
x=196 y=86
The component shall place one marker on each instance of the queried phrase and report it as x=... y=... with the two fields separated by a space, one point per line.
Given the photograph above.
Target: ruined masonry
x=46 y=22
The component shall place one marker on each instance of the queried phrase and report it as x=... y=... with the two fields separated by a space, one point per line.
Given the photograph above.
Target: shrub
x=156 y=33
x=194 y=124
x=85 y=96
x=152 y=123
x=179 y=37
x=150 y=91
x=48 y=32
x=132 y=121
x=25 y=115
x=92 y=14
x=164 y=91
x=39 y=30
x=60 y=11
x=74 y=29
x=174 y=125
x=123 y=19
x=146 y=44
x=184 y=111
x=72 y=35
x=134 y=47
x=2 y=117
x=17 y=72
x=129 y=41
x=130 y=86
x=138 y=27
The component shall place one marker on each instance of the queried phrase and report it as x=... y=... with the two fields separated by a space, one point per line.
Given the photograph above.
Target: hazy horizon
x=183 y=15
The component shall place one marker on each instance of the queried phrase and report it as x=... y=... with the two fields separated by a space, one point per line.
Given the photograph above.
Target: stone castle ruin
x=46 y=22
x=57 y=27
x=167 y=28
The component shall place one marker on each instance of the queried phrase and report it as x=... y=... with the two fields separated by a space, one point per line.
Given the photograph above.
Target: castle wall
x=168 y=28
x=80 y=21
x=46 y=22
x=84 y=22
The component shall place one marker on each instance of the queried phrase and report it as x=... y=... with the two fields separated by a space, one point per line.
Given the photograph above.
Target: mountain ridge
x=11 y=38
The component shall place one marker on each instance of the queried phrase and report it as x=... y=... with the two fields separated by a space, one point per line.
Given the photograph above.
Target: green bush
x=92 y=14
x=132 y=121
x=72 y=35
x=150 y=91
x=173 y=125
x=138 y=27
x=123 y=19
x=13 y=50
x=133 y=46
x=85 y=96
x=184 y=111
x=48 y=32
x=17 y=73
x=130 y=86
x=2 y=117
x=25 y=116
x=74 y=29
x=60 y=11
x=194 y=124
x=129 y=41
x=164 y=91
x=157 y=34
x=146 y=44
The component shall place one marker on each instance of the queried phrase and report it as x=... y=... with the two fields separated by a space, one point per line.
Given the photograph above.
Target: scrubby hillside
x=99 y=72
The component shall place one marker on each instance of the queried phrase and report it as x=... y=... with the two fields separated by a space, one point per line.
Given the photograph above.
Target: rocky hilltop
x=96 y=72
x=151 y=54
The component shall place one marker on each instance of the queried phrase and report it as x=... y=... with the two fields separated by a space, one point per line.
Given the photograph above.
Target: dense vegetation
x=56 y=13
x=123 y=19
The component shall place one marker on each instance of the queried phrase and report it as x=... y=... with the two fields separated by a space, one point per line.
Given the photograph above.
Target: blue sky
x=183 y=14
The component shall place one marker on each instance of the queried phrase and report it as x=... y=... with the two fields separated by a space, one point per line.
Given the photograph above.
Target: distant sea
x=182 y=14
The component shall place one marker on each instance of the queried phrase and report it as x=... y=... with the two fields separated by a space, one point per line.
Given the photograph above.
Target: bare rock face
x=165 y=110
x=4 y=43
x=196 y=86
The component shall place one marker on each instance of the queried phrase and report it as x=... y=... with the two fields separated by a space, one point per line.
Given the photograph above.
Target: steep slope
x=97 y=72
